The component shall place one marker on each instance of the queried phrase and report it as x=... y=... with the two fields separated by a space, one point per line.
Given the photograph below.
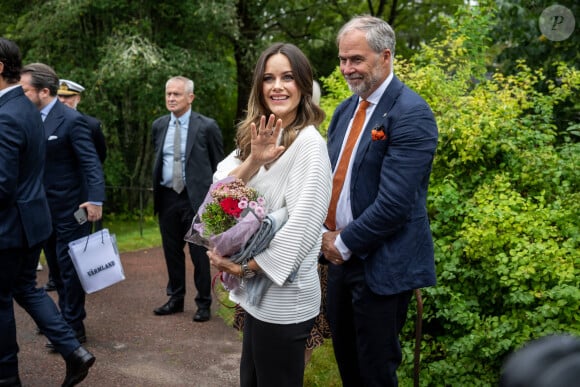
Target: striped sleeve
x=307 y=197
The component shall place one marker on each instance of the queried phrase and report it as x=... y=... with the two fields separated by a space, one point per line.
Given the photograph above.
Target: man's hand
x=94 y=212
x=328 y=249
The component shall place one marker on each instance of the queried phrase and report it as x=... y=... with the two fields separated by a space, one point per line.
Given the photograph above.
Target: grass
x=133 y=235
x=322 y=370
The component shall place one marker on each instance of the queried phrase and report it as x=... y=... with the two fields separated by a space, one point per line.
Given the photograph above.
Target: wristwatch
x=246 y=271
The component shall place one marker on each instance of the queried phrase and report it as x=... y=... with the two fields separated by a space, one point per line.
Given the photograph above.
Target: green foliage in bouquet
x=216 y=220
x=230 y=201
x=504 y=205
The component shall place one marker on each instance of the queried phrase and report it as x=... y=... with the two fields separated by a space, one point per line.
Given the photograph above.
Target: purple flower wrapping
x=230 y=282
x=233 y=239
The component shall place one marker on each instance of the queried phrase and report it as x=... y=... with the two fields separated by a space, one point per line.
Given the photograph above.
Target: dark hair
x=308 y=112
x=12 y=59
x=42 y=76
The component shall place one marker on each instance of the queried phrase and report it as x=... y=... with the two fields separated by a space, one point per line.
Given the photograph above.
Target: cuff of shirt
x=97 y=203
x=342 y=249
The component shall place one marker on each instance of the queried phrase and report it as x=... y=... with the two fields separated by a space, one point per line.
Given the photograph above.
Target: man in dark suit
x=73 y=179
x=69 y=93
x=379 y=243
x=25 y=224
x=180 y=182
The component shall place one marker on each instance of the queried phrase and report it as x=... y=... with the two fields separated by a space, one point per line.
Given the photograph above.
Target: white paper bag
x=96 y=260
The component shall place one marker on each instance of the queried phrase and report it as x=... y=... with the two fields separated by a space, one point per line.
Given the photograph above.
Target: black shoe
x=50 y=286
x=174 y=305
x=202 y=315
x=13 y=381
x=77 y=366
x=80 y=335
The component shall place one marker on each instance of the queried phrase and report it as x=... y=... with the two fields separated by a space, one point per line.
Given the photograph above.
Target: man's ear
x=387 y=55
x=44 y=92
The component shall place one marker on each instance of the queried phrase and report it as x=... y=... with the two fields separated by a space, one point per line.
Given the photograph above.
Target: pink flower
x=260 y=212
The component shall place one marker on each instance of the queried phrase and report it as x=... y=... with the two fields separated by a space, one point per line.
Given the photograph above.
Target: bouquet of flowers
x=228 y=217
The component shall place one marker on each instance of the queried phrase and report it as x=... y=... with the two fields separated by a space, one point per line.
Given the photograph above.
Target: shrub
x=504 y=206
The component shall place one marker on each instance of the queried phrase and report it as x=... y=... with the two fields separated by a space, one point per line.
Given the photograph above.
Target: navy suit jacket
x=388 y=190
x=203 y=151
x=24 y=215
x=73 y=172
x=98 y=137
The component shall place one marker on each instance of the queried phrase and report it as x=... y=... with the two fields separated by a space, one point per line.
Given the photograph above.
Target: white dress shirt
x=343 y=207
x=167 y=170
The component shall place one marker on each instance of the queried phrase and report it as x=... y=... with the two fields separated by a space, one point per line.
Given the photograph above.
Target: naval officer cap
x=69 y=88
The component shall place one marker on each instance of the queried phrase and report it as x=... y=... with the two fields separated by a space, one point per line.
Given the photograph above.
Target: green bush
x=504 y=206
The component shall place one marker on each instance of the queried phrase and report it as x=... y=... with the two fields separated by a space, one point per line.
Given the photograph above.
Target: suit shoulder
x=160 y=123
x=208 y=121
x=68 y=113
x=92 y=121
x=345 y=103
x=339 y=110
x=411 y=98
x=163 y=120
x=19 y=109
x=15 y=100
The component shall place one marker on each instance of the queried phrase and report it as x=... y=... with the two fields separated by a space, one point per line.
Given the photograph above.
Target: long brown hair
x=308 y=112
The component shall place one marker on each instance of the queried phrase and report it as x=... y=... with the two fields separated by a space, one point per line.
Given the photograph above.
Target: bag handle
x=89 y=236
x=215 y=278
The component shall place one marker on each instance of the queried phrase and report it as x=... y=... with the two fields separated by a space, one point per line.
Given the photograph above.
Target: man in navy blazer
x=25 y=223
x=180 y=183
x=379 y=244
x=73 y=179
x=69 y=93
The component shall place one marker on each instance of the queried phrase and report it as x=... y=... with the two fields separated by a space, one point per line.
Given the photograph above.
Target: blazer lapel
x=341 y=126
x=162 y=133
x=191 y=134
x=10 y=95
x=53 y=120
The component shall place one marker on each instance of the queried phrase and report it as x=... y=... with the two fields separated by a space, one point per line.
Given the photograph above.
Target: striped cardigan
x=301 y=180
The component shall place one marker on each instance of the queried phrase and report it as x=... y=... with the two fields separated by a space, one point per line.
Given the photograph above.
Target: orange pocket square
x=378 y=134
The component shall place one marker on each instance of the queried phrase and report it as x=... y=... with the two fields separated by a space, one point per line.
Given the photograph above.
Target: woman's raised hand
x=264 y=140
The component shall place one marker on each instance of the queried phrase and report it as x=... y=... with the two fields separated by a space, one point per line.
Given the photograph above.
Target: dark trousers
x=273 y=354
x=71 y=295
x=18 y=282
x=365 y=327
x=175 y=217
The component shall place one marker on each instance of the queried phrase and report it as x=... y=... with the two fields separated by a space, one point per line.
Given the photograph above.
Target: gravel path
x=133 y=347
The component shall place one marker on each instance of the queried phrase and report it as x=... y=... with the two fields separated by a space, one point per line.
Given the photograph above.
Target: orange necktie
x=342 y=167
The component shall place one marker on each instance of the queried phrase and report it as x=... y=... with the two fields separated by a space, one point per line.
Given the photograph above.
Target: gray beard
x=363 y=89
